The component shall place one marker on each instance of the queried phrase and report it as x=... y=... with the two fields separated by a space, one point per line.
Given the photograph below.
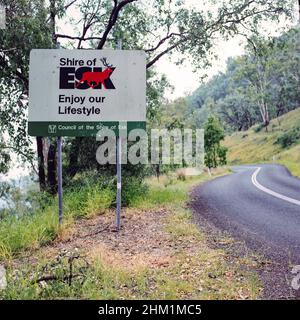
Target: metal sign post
x=59 y=172
x=119 y=182
x=119 y=169
x=59 y=178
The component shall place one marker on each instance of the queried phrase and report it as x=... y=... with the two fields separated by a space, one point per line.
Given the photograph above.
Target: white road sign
x=76 y=92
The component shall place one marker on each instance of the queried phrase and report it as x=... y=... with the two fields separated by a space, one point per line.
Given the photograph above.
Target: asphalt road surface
x=259 y=204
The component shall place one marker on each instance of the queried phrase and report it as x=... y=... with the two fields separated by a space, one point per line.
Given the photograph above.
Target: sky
x=189 y=81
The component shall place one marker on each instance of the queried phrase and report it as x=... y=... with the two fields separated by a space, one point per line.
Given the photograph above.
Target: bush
x=259 y=127
x=97 y=201
x=288 y=138
x=132 y=189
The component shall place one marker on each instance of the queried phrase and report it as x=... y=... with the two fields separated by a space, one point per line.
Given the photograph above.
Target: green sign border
x=79 y=129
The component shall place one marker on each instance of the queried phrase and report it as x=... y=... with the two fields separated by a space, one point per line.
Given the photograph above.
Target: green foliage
x=222 y=153
x=288 y=138
x=88 y=201
x=28 y=231
x=256 y=87
x=4 y=161
x=27 y=27
x=258 y=127
x=215 y=154
x=160 y=196
x=133 y=189
x=169 y=191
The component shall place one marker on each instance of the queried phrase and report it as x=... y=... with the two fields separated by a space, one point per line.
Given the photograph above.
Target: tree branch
x=112 y=20
x=224 y=19
x=163 y=40
x=82 y=38
x=154 y=60
x=66 y=7
x=87 y=23
x=69 y=5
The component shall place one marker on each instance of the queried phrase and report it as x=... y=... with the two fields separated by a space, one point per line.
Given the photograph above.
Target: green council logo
x=2 y=16
x=52 y=128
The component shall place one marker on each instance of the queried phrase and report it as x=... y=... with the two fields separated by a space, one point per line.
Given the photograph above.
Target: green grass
x=169 y=190
x=32 y=230
x=262 y=147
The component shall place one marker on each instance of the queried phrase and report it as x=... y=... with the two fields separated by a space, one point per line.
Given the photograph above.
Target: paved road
x=259 y=204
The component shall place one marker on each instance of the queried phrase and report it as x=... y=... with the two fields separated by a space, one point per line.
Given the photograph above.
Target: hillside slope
x=257 y=146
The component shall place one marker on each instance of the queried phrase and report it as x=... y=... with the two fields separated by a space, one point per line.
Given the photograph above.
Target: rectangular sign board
x=78 y=92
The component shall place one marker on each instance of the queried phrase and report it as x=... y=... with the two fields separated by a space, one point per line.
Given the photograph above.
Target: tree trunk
x=299 y=12
x=157 y=171
x=73 y=158
x=41 y=164
x=51 y=177
x=263 y=108
x=267 y=118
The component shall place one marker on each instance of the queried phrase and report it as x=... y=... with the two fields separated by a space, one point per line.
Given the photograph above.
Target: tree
x=215 y=154
x=27 y=27
x=236 y=111
x=257 y=68
x=188 y=32
x=256 y=87
x=286 y=72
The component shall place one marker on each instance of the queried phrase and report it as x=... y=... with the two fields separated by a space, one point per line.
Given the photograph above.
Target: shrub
x=28 y=231
x=259 y=127
x=288 y=138
x=98 y=200
x=132 y=189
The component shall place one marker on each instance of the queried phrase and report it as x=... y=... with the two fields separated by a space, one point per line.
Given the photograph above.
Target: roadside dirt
x=140 y=242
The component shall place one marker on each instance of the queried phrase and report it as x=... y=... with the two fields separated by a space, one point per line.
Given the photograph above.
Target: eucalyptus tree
x=286 y=72
x=266 y=78
x=236 y=111
x=26 y=28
